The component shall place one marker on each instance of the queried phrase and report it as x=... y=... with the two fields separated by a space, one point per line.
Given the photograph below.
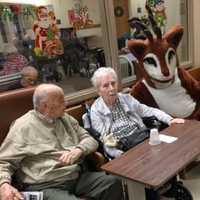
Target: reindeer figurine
x=164 y=84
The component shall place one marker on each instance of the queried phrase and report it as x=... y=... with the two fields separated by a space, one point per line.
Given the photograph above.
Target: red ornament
x=16 y=9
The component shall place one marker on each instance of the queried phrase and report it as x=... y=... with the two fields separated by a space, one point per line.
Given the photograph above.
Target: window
x=174 y=12
x=92 y=35
x=78 y=26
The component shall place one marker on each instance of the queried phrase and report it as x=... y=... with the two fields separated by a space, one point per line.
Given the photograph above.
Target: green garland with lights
x=7 y=13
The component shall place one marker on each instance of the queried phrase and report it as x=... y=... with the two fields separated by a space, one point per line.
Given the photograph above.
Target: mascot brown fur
x=164 y=84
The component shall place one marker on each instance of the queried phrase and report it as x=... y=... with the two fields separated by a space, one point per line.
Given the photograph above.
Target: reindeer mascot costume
x=164 y=84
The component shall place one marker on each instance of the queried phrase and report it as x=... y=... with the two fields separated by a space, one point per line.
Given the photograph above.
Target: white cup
x=154 y=137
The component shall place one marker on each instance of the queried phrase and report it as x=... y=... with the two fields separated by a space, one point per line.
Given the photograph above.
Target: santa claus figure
x=46 y=33
x=40 y=27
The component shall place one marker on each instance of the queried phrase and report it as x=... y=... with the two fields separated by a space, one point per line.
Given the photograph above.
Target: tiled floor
x=193 y=182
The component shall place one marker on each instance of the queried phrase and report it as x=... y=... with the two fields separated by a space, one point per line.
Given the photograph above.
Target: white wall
x=133 y=5
x=173 y=13
x=33 y=2
x=62 y=6
x=196 y=24
x=94 y=12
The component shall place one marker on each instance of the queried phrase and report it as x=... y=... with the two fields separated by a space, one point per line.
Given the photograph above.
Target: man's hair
x=101 y=72
x=29 y=70
x=43 y=93
x=29 y=76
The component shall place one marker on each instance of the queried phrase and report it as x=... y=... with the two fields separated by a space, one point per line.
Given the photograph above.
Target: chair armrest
x=96 y=160
x=153 y=122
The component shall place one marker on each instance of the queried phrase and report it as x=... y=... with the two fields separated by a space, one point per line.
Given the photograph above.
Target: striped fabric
x=122 y=126
x=15 y=63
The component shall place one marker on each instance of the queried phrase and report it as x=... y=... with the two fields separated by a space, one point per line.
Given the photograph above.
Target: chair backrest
x=195 y=72
x=13 y=104
x=127 y=65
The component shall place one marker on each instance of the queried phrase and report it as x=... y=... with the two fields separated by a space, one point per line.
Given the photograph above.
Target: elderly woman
x=114 y=114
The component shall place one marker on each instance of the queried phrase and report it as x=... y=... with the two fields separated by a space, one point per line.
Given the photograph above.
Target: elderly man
x=45 y=147
x=29 y=78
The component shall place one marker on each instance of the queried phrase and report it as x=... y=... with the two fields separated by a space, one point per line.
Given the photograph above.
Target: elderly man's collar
x=43 y=117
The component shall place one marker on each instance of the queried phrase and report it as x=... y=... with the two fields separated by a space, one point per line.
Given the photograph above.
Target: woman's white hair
x=43 y=93
x=101 y=72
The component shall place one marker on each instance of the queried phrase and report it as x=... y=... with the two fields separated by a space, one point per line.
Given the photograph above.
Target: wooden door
x=121 y=16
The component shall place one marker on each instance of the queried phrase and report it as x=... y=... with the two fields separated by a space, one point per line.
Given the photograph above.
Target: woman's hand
x=177 y=121
x=70 y=157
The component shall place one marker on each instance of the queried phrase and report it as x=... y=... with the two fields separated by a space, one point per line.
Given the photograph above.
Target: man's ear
x=174 y=35
x=137 y=48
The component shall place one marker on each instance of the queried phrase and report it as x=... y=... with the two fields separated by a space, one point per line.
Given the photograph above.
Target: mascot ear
x=137 y=48
x=174 y=35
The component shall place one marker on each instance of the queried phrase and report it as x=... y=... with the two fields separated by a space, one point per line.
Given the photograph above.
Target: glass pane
x=126 y=60
x=171 y=13
x=35 y=35
x=177 y=13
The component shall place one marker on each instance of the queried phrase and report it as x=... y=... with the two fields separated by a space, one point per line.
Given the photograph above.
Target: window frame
x=111 y=52
x=109 y=35
x=190 y=29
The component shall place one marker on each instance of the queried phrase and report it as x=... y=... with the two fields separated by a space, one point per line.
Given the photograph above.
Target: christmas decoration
x=29 y=11
x=6 y=13
x=79 y=17
x=158 y=9
x=16 y=9
x=47 y=42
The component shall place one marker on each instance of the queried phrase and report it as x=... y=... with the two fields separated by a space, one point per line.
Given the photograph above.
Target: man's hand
x=125 y=50
x=177 y=121
x=7 y=192
x=70 y=157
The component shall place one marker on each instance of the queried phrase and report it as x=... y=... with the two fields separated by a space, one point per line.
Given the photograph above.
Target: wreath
x=119 y=11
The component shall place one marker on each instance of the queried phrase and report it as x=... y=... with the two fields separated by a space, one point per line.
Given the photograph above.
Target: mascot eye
x=150 y=61
x=171 y=54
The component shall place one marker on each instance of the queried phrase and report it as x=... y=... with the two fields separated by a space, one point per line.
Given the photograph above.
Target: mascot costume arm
x=192 y=85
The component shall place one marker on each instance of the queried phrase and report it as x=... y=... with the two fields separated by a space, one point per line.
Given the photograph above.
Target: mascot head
x=157 y=54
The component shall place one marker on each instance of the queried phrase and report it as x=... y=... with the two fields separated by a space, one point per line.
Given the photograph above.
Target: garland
x=158 y=8
x=9 y=11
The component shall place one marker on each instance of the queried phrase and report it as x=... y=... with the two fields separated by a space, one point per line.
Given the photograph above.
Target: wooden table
x=152 y=166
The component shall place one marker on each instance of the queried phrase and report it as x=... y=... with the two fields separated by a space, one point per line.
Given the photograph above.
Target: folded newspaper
x=33 y=195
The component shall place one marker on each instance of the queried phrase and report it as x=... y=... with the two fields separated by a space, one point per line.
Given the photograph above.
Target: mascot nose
x=165 y=71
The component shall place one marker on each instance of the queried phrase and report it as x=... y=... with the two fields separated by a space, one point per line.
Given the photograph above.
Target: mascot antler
x=154 y=25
